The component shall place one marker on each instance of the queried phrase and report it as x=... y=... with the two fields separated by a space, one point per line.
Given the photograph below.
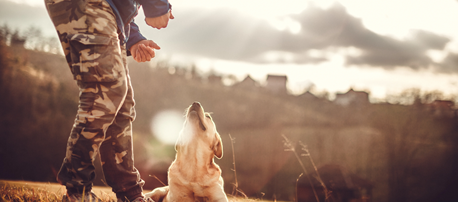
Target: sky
x=380 y=46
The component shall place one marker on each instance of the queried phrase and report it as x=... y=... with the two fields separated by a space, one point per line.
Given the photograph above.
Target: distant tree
x=51 y=45
x=431 y=96
x=406 y=97
x=17 y=39
x=230 y=79
x=415 y=96
x=3 y=63
x=322 y=94
x=34 y=39
x=5 y=33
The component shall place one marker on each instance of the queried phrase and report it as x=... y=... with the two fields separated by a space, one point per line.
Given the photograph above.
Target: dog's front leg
x=217 y=194
x=158 y=194
x=219 y=199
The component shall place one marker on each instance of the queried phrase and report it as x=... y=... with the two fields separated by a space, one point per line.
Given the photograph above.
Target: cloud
x=450 y=64
x=219 y=33
x=233 y=35
x=226 y=34
x=334 y=27
x=430 y=40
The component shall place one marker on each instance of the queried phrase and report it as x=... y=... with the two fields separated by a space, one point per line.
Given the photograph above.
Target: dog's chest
x=201 y=199
x=198 y=189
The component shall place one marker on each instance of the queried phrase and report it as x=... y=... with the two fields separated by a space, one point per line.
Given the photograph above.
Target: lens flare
x=166 y=126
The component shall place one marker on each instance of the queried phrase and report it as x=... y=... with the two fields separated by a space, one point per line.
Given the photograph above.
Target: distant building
x=442 y=108
x=352 y=97
x=247 y=83
x=442 y=104
x=215 y=79
x=308 y=95
x=277 y=84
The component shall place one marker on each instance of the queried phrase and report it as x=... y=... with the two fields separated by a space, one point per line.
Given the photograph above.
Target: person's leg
x=117 y=152
x=88 y=32
x=98 y=106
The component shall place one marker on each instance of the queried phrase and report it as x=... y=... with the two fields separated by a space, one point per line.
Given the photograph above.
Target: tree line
x=31 y=38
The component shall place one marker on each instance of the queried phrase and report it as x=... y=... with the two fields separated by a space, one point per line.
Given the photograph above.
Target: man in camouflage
x=97 y=36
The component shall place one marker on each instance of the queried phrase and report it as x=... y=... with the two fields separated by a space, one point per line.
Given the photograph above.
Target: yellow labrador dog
x=193 y=175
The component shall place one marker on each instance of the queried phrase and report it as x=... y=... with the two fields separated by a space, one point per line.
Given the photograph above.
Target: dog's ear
x=218 y=146
x=177 y=144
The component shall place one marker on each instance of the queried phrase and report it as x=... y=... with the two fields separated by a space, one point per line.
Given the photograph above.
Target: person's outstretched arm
x=157 y=12
x=139 y=47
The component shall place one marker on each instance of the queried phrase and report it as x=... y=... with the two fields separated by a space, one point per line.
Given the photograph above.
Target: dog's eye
x=208 y=116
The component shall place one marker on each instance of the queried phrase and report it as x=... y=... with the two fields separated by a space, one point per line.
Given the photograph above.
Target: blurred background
x=364 y=91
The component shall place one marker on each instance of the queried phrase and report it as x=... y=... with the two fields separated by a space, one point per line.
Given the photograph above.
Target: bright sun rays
x=251 y=40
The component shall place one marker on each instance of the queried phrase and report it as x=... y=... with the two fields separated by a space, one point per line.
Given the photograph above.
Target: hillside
x=404 y=151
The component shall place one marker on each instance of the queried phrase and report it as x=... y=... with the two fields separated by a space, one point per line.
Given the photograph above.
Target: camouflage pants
x=88 y=32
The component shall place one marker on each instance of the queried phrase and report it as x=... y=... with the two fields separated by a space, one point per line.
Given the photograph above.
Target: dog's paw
x=158 y=194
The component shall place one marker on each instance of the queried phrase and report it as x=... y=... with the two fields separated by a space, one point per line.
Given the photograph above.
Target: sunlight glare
x=436 y=55
x=396 y=18
x=353 y=51
x=277 y=57
x=166 y=126
x=285 y=24
x=317 y=53
x=266 y=8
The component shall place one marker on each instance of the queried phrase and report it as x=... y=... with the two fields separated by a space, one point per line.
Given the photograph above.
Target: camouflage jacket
x=126 y=10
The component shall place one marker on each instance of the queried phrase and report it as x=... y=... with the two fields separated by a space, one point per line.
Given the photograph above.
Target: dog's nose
x=196 y=104
x=194 y=107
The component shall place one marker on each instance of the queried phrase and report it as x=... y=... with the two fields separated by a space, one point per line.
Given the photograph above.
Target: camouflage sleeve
x=155 y=8
x=134 y=37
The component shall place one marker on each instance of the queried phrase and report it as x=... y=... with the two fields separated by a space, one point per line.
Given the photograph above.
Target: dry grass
x=290 y=146
x=13 y=193
x=22 y=191
x=236 y=191
x=19 y=191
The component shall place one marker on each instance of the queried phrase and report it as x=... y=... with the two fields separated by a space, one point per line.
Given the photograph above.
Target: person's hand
x=161 y=21
x=143 y=50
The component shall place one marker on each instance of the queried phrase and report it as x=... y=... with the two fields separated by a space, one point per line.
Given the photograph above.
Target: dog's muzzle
x=197 y=107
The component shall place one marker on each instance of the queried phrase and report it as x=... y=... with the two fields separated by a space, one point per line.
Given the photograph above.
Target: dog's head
x=199 y=132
